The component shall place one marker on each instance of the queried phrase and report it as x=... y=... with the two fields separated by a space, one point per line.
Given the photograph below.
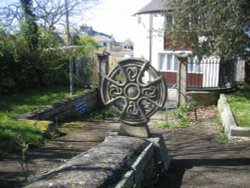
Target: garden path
x=199 y=161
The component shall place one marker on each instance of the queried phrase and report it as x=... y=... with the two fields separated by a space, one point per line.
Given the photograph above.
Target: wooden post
x=182 y=78
x=103 y=59
x=150 y=37
x=69 y=49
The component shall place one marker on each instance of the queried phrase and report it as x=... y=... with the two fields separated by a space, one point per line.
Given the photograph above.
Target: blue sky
x=113 y=17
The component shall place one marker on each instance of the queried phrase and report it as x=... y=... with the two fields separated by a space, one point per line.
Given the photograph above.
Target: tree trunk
x=30 y=29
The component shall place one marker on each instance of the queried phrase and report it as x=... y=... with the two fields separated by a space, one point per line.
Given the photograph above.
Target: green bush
x=181 y=117
x=182 y=110
x=22 y=68
x=221 y=138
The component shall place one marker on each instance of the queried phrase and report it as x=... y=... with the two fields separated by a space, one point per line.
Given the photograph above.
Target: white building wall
x=158 y=39
x=141 y=42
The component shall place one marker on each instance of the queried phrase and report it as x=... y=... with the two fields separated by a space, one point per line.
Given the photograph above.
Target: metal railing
x=209 y=73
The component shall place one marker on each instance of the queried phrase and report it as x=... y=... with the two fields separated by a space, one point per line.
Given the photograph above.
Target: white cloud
x=115 y=17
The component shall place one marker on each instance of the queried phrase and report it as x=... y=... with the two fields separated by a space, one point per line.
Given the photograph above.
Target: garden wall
x=203 y=98
x=120 y=161
x=228 y=120
x=77 y=104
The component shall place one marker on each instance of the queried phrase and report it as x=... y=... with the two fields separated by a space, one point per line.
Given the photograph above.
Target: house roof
x=155 y=6
x=101 y=38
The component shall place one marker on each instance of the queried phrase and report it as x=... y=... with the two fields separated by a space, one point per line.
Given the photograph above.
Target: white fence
x=206 y=72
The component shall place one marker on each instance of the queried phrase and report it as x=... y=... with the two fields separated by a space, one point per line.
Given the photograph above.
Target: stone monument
x=135 y=90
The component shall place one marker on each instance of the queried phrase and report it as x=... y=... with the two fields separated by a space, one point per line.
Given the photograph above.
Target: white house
x=150 y=26
x=153 y=45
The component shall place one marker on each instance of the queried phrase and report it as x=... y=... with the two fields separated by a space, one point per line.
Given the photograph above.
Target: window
x=194 y=65
x=168 y=62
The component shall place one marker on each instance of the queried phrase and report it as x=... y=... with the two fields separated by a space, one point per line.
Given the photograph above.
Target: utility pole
x=150 y=37
x=68 y=47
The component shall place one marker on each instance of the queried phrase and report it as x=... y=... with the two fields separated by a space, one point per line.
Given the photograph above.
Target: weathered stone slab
x=101 y=166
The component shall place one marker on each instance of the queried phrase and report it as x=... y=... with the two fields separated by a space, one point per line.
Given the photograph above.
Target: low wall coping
x=101 y=166
x=79 y=103
x=118 y=162
x=228 y=120
x=33 y=114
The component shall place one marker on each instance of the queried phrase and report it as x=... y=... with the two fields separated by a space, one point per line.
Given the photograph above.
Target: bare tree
x=10 y=15
x=29 y=26
x=49 y=13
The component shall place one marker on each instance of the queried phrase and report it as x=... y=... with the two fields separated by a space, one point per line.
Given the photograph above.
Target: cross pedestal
x=140 y=130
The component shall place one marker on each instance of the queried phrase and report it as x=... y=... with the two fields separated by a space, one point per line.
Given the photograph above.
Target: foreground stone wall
x=119 y=162
x=76 y=104
x=228 y=120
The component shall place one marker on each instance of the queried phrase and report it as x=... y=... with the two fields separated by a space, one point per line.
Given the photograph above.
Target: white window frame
x=195 y=66
x=168 y=62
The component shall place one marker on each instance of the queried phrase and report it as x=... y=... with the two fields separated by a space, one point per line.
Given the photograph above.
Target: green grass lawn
x=240 y=104
x=13 y=133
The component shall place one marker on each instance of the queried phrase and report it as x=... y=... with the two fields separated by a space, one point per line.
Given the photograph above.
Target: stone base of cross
x=141 y=130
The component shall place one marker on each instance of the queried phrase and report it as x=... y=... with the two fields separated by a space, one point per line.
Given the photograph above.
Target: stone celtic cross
x=135 y=91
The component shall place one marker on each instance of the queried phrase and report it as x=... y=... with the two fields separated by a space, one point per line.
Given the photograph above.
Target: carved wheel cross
x=135 y=90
